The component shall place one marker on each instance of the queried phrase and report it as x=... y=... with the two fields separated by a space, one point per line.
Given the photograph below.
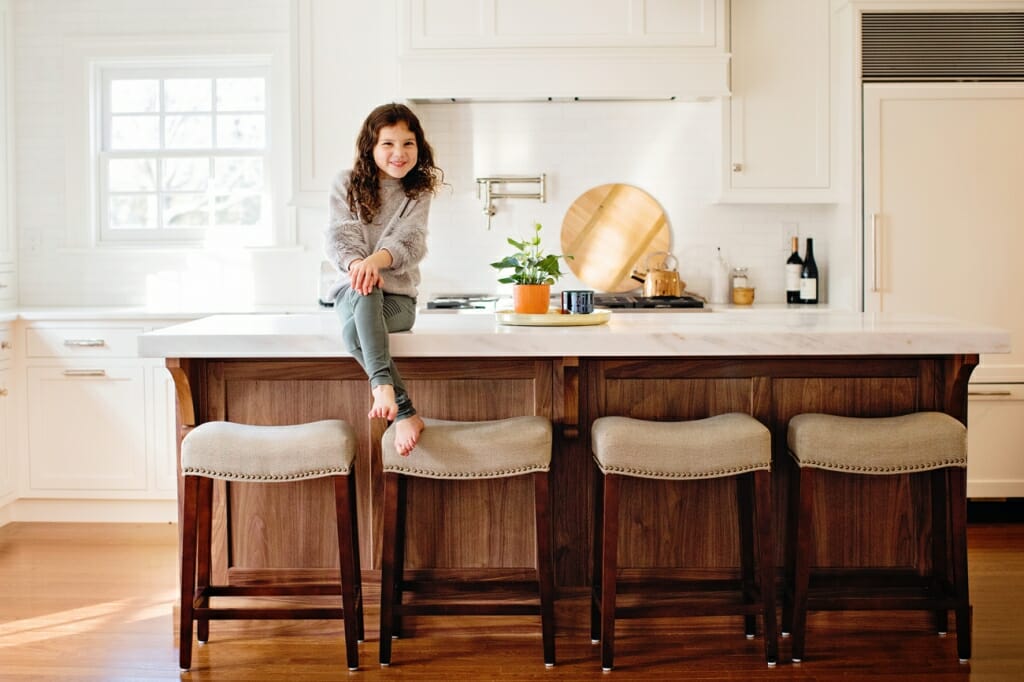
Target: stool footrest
x=468 y=609
x=459 y=586
x=298 y=589
x=256 y=613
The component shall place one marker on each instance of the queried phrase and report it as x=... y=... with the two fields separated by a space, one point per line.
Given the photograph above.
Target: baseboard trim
x=90 y=511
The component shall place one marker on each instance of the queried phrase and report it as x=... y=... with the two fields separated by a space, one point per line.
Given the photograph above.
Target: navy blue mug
x=578 y=302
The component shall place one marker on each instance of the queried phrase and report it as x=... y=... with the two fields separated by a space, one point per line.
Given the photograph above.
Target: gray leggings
x=366 y=322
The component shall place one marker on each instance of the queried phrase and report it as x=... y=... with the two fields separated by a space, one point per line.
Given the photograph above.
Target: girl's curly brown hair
x=364 y=185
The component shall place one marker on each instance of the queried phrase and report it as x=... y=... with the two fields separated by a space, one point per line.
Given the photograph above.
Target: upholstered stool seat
x=266 y=454
x=453 y=450
x=727 y=445
x=930 y=443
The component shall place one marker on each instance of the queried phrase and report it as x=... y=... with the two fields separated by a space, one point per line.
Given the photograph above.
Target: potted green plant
x=533 y=273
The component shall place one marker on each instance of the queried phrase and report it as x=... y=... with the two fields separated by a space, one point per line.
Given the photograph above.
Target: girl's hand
x=364 y=274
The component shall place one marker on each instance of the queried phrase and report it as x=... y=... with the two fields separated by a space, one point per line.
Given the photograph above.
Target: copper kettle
x=660 y=281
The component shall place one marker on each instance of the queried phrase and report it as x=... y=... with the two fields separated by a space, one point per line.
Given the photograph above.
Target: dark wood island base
x=488 y=523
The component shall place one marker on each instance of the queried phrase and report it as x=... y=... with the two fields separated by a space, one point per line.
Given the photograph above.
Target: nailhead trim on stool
x=732 y=444
x=925 y=443
x=266 y=454
x=454 y=450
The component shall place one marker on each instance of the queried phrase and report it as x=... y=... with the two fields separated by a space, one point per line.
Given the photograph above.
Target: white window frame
x=88 y=60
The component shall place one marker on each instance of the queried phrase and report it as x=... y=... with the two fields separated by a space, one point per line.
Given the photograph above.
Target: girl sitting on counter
x=377 y=237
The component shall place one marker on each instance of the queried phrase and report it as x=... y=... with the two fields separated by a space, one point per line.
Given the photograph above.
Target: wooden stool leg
x=609 y=568
x=357 y=583
x=188 y=570
x=940 y=538
x=802 y=572
x=766 y=561
x=545 y=570
x=204 y=520
x=342 y=514
x=389 y=555
x=745 y=516
x=957 y=492
x=789 y=551
x=595 y=582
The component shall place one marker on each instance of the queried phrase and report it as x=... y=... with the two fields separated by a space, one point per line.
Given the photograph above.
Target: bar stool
x=922 y=442
x=735 y=445
x=266 y=454
x=454 y=450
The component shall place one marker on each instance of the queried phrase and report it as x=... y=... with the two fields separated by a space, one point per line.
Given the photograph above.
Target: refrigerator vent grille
x=942 y=46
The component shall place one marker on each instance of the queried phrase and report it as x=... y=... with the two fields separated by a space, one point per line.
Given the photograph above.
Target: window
x=184 y=154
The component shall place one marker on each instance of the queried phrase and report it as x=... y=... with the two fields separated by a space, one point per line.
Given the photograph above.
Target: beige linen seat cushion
x=482 y=449
x=243 y=452
x=878 y=445
x=724 y=445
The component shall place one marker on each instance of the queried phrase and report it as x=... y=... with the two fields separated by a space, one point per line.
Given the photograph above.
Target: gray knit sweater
x=400 y=227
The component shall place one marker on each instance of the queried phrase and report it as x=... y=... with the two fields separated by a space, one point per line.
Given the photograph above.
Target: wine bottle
x=794 y=266
x=809 y=276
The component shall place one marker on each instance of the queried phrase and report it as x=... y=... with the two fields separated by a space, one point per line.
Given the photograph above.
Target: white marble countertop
x=733 y=332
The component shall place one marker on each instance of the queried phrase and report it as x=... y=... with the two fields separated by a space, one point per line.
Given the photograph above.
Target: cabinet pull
x=87 y=343
x=3 y=392
x=875 y=261
x=990 y=393
x=3 y=286
x=85 y=372
x=5 y=345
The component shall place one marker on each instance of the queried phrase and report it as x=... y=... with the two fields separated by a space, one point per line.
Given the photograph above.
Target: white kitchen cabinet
x=995 y=441
x=87 y=428
x=344 y=67
x=776 y=125
x=7 y=250
x=6 y=417
x=942 y=235
x=97 y=414
x=536 y=49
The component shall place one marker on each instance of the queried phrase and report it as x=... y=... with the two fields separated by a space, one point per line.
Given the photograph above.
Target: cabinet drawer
x=82 y=342
x=995 y=432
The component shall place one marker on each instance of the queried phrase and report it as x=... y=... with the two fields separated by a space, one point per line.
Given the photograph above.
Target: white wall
x=669 y=149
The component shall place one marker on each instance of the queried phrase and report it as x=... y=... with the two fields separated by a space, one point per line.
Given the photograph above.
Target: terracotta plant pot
x=531 y=299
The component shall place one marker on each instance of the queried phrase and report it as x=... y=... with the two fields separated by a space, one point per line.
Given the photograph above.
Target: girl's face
x=395 y=152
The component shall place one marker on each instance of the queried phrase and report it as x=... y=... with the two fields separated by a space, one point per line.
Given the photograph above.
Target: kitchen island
x=772 y=364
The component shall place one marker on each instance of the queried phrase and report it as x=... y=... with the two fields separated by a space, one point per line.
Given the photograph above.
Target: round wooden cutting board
x=608 y=231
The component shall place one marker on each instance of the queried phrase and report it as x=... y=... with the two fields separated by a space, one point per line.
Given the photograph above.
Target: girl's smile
x=396 y=152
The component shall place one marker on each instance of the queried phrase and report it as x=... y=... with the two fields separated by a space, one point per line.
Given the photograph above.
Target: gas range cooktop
x=640 y=303
x=601 y=300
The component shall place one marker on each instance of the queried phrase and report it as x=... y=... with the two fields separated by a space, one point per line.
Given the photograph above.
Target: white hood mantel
x=535 y=51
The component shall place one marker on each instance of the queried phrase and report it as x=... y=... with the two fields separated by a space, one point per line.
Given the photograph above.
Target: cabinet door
x=995 y=441
x=777 y=123
x=86 y=428
x=6 y=423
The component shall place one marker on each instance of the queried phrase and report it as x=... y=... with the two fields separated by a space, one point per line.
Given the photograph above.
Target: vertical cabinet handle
x=876 y=262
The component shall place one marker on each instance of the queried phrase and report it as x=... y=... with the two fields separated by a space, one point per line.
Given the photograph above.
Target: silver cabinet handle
x=85 y=372
x=875 y=260
x=737 y=168
x=86 y=343
x=3 y=286
x=990 y=393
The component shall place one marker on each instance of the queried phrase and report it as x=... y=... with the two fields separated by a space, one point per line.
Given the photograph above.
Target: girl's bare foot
x=384 y=404
x=407 y=434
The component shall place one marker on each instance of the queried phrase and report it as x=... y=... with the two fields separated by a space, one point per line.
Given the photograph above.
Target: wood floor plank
x=91 y=602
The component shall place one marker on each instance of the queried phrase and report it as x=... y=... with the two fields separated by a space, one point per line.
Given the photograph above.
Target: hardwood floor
x=97 y=602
